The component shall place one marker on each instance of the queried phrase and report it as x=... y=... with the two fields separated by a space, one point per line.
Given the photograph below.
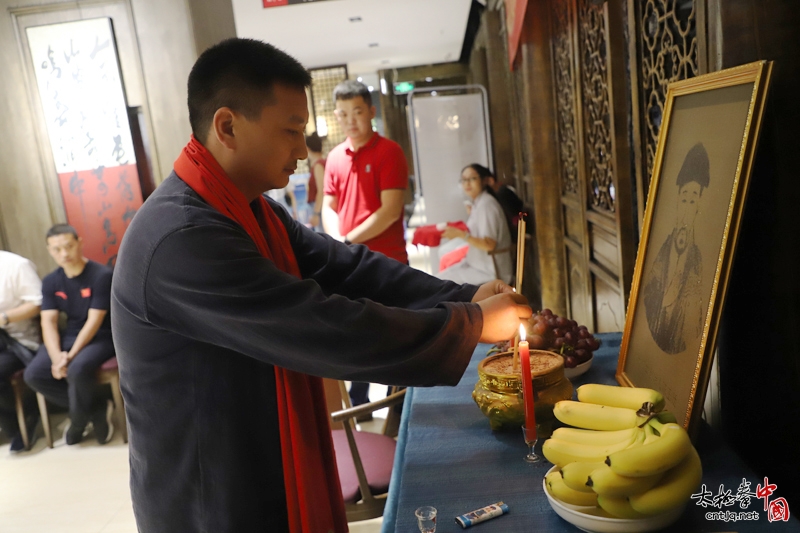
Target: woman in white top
x=488 y=231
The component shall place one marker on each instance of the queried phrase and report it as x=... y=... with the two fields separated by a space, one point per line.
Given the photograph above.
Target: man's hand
x=59 y=369
x=491 y=288
x=501 y=316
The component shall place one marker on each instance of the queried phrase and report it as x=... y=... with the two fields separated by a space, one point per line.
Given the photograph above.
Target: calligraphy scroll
x=80 y=87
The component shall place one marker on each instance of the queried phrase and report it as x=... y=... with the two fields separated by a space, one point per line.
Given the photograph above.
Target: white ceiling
x=319 y=34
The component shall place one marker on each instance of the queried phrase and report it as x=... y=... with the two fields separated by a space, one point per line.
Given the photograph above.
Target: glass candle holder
x=530 y=440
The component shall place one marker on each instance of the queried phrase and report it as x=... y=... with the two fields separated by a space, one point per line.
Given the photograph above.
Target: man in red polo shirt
x=365 y=181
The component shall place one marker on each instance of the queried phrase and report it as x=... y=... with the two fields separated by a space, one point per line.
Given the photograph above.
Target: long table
x=448 y=457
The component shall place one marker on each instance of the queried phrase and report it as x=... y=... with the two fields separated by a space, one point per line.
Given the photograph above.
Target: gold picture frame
x=701 y=173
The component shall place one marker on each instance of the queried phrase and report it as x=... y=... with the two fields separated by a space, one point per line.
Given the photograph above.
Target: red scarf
x=313 y=493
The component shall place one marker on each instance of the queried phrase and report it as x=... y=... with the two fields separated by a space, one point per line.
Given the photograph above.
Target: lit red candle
x=527 y=386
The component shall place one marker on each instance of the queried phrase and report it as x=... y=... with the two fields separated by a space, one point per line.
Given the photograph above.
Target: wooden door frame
x=541 y=109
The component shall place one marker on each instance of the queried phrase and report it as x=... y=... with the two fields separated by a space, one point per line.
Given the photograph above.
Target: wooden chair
x=107 y=373
x=18 y=386
x=364 y=459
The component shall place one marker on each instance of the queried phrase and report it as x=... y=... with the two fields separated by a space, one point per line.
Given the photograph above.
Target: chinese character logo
x=777 y=509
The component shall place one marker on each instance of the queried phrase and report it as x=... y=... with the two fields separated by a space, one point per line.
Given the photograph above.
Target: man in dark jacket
x=202 y=318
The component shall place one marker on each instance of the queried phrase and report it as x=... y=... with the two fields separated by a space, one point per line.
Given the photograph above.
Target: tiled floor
x=69 y=489
x=84 y=488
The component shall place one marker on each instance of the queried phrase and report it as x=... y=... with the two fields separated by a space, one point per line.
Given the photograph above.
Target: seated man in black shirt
x=64 y=369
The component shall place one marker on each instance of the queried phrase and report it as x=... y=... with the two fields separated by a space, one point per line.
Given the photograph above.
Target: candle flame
x=521 y=332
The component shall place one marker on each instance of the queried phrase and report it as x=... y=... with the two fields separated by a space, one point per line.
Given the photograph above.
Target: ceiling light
x=370 y=88
x=359 y=78
x=355 y=19
x=434 y=93
x=429 y=79
x=373 y=45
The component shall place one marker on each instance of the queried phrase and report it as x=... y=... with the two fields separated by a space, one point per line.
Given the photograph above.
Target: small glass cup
x=426 y=519
x=531 y=457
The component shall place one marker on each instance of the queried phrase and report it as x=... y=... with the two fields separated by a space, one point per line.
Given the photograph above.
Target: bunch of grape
x=547 y=331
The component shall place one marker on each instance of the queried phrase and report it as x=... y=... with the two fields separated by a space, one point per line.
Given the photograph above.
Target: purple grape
x=573 y=323
x=536 y=341
x=581 y=355
x=547 y=313
x=594 y=344
x=581 y=344
x=540 y=328
x=551 y=323
x=558 y=343
x=561 y=322
x=569 y=338
x=570 y=361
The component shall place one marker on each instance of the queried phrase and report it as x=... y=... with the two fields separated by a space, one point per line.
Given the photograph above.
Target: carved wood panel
x=582 y=61
x=596 y=108
x=580 y=308
x=667 y=48
x=563 y=58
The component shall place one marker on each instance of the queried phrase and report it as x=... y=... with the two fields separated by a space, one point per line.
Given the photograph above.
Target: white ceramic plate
x=601 y=524
x=578 y=370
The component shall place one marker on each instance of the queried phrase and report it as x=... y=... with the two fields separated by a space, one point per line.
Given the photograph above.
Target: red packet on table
x=431 y=235
x=460 y=225
x=427 y=236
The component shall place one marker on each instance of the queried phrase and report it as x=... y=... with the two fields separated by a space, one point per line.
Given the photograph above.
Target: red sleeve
x=329 y=185
x=394 y=168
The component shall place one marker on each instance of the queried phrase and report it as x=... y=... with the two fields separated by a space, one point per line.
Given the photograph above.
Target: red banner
x=515 y=16
x=100 y=204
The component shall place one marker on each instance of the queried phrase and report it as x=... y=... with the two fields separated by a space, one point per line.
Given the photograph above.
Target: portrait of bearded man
x=672 y=296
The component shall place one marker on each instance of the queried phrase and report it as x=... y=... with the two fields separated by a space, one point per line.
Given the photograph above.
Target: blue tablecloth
x=448 y=457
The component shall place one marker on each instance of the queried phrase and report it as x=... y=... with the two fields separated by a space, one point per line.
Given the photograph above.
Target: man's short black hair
x=349 y=89
x=695 y=168
x=239 y=74
x=314 y=143
x=61 y=229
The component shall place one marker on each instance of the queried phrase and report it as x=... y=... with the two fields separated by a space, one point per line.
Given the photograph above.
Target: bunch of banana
x=625 y=453
x=595 y=416
x=629 y=397
x=580 y=449
x=559 y=489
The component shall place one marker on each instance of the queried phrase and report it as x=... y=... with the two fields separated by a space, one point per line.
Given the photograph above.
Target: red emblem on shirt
x=61 y=295
x=86 y=293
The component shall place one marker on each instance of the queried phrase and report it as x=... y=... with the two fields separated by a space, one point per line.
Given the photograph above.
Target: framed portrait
x=701 y=171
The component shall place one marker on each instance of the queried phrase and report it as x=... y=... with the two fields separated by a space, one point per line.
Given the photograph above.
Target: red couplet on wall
x=83 y=100
x=100 y=205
